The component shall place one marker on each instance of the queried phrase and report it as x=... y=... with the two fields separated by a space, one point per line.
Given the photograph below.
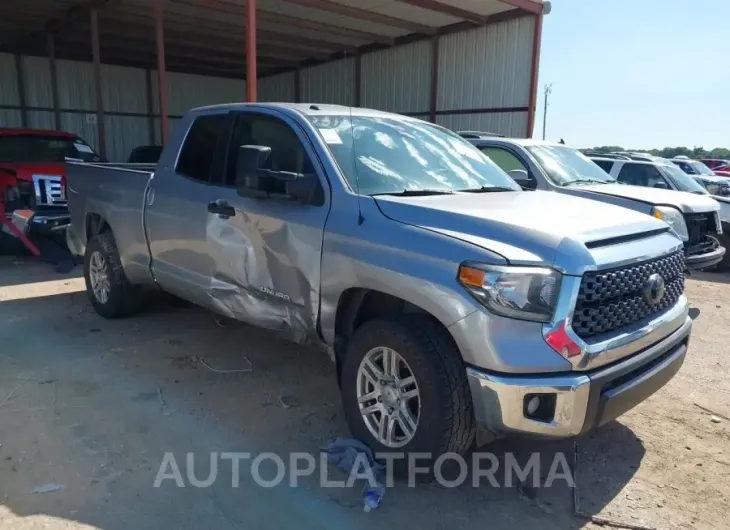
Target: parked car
x=541 y=165
x=714 y=163
x=715 y=185
x=664 y=174
x=32 y=161
x=145 y=154
x=722 y=171
x=447 y=297
x=692 y=167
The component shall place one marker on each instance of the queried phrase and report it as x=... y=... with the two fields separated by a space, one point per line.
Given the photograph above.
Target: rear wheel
x=404 y=389
x=107 y=286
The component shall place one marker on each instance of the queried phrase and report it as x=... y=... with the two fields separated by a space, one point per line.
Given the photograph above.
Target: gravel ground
x=89 y=407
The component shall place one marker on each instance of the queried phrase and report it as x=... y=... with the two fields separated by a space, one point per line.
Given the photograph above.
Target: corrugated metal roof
x=207 y=36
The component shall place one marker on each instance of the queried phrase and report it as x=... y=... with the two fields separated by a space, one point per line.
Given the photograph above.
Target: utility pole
x=548 y=91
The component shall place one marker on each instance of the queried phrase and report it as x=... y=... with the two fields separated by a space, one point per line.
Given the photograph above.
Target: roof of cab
x=17 y=131
x=308 y=109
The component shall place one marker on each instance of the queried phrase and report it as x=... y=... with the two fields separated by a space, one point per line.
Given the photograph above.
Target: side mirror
x=521 y=177
x=255 y=178
x=661 y=185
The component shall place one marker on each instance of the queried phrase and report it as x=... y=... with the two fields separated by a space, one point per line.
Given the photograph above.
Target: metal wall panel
x=40 y=119
x=171 y=124
x=124 y=133
x=37 y=73
x=76 y=85
x=512 y=124
x=10 y=118
x=487 y=67
x=124 y=89
x=278 y=88
x=8 y=80
x=329 y=83
x=78 y=123
x=187 y=91
x=397 y=79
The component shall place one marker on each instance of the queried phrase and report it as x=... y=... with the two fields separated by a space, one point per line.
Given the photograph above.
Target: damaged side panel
x=266 y=264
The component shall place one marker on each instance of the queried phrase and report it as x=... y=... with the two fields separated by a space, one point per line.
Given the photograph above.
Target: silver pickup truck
x=448 y=298
x=540 y=165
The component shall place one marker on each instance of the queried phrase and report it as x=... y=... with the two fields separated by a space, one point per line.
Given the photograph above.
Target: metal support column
x=54 y=80
x=161 y=73
x=20 y=80
x=96 y=55
x=251 y=50
x=532 y=109
x=434 y=78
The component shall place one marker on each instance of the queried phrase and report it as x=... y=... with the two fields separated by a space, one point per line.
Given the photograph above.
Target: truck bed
x=114 y=192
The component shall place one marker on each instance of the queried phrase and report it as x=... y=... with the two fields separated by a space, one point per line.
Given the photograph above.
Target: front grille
x=610 y=300
x=49 y=190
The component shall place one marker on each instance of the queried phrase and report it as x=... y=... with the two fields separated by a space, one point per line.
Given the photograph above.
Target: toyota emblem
x=654 y=289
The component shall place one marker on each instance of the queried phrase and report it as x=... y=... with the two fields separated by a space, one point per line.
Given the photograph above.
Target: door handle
x=222 y=208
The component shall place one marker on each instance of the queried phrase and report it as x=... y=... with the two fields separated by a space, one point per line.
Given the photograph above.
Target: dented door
x=266 y=252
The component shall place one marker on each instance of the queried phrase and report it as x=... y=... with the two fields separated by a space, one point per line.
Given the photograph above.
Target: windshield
x=38 y=148
x=565 y=165
x=381 y=155
x=701 y=168
x=682 y=181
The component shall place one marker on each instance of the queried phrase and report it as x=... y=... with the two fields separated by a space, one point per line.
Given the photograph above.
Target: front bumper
x=582 y=401
x=44 y=222
x=706 y=259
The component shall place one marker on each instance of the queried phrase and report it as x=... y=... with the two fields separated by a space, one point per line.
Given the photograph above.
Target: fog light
x=540 y=407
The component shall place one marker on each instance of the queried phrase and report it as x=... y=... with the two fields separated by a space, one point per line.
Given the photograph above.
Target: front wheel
x=404 y=389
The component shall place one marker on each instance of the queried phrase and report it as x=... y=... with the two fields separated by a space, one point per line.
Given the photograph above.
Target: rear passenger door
x=266 y=252
x=176 y=211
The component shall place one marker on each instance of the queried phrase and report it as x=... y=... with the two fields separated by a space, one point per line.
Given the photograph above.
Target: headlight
x=526 y=293
x=674 y=219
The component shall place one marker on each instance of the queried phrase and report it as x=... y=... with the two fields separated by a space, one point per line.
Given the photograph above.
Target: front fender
x=414 y=264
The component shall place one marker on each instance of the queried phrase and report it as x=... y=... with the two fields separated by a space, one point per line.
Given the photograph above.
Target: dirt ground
x=89 y=407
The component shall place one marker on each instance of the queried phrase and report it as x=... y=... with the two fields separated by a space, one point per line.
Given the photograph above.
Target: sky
x=637 y=73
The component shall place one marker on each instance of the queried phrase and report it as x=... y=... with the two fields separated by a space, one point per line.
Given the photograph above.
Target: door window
x=198 y=150
x=287 y=151
x=503 y=158
x=605 y=165
x=645 y=175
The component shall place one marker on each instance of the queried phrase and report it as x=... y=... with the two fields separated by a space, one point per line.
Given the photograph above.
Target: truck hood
x=686 y=202
x=526 y=228
x=26 y=170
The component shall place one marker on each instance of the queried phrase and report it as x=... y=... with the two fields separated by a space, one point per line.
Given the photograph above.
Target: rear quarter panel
x=117 y=196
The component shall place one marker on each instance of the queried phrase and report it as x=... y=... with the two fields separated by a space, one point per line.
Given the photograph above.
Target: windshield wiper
x=589 y=181
x=487 y=189
x=415 y=193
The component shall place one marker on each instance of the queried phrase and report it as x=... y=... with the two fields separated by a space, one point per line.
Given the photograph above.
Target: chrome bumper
x=582 y=400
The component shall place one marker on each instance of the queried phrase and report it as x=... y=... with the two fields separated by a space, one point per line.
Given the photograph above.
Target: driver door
x=266 y=253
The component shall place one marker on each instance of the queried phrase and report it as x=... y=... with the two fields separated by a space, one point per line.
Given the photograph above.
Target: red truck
x=32 y=184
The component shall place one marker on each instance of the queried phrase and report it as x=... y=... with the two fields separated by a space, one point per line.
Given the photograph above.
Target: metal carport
x=118 y=71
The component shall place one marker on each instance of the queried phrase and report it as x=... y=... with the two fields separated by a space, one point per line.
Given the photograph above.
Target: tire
x=446 y=421
x=123 y=298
